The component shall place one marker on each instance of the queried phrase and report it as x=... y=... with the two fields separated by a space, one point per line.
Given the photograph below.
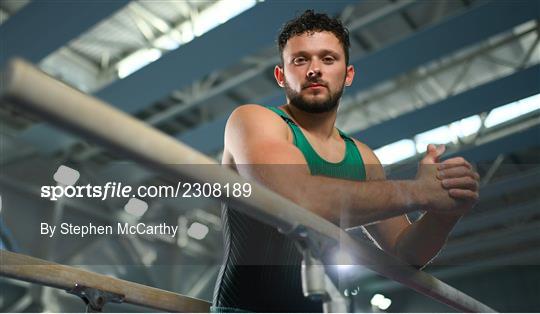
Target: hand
x=432 y=194
x=459 y=192
x=461 y=181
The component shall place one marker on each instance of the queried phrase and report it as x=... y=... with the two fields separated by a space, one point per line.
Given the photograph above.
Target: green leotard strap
x=351 y=167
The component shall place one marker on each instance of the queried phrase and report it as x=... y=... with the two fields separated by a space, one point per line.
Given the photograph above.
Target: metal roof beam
x=480 y=99
x=217 y=49
x=41 y=27
x=499 y=216
x=208 y=137
x=458 y=32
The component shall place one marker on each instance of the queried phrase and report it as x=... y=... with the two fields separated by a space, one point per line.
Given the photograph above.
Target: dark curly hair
x=310 y=22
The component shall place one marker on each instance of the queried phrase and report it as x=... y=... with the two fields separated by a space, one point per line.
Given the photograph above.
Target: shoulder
x=374 y=169
x=256 y=135
x=254 y=111
x=247 y=119
x=367 y=153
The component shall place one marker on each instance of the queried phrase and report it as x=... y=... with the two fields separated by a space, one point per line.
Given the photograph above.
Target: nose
x=312 y=73
x=314 y=70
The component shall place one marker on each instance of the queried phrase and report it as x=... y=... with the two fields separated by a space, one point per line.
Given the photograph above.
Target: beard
x=313 y=105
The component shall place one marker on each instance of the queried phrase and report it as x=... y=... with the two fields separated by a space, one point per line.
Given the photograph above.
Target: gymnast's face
x=314 y=72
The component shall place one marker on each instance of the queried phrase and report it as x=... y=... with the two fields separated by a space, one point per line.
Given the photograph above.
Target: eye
x=328 y=59
x=299 y=60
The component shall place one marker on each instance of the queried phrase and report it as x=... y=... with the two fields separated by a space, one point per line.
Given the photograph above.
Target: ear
x=280 y=77
x=349 y=76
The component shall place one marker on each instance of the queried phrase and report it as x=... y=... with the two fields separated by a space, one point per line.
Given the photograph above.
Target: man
x=325 y=171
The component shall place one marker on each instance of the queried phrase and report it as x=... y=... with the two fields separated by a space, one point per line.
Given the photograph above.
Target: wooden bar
x=26 y=268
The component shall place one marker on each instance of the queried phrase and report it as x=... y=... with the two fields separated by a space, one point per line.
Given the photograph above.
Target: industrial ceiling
x=448 y=67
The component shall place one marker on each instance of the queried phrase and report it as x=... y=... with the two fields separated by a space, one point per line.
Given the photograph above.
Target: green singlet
x=261 y=266
x=351 y=167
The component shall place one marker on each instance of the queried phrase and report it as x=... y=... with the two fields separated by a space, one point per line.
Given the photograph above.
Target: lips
x=315 y=85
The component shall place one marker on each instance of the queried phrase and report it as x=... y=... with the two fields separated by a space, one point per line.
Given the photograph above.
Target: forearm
x=343 y=202
x=365 y=202
x=419 y=243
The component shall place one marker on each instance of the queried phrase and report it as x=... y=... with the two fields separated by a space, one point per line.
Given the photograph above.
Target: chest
x=331 y=150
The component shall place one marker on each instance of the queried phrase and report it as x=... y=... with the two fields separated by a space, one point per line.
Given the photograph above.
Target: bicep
x=258 y=141
x=385 y=232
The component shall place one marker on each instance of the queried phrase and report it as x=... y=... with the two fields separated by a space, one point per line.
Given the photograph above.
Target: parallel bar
x=43 y=272
x=480 y=266
x=73 y=110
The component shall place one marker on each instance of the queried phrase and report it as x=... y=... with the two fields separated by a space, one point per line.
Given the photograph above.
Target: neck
x=318 y=124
